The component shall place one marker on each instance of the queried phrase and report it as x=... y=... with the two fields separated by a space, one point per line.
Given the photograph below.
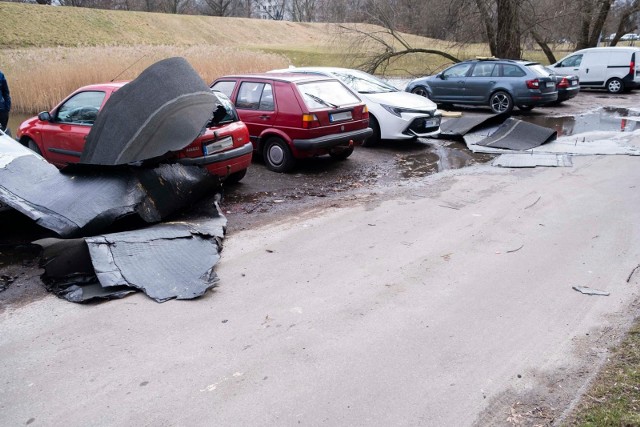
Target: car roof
x=491 y=59
x=103 y=86
x=285 y=77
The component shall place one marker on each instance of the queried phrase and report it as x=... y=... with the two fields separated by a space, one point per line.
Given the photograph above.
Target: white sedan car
x=393 y=114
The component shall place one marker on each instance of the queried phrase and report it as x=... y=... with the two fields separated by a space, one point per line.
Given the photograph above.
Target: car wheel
x=31 y=145
x=277 y=155
x=420 y=90
x=235 y=177
x=501 y=102
x=340 y=153
x=615 y=85
x=375 y=138
x=525 y=107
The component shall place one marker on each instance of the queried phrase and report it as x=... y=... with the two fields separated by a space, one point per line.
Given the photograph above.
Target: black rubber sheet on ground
x=162 y=110
x=85 y=203
x=515 y=134
x=465 y=124
x=166 y=261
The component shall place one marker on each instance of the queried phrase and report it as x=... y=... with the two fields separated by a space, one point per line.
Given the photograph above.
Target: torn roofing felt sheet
x=165 y=261
x=87 y=202
x=515 y=134
x=164 y=109
x=462 y=125
x=532 y=160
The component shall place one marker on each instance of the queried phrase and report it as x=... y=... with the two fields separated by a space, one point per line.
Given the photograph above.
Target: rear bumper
x=225 y=156
x=568 y=93
x=329 y=141
x=537 y=99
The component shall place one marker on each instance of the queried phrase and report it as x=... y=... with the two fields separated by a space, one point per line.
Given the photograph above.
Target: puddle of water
x=438 y=158
x=603 y=119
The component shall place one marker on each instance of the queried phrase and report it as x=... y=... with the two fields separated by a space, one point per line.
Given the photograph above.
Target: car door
x=256 y=105
x=570 y=65
x=63 y=137
x=480 y=82
x=594 y=68
x=449 y=86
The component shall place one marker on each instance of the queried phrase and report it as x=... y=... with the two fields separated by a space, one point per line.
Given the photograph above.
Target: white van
x=613 y=68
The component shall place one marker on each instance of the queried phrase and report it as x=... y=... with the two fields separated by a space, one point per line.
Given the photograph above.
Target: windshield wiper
x=321 y=101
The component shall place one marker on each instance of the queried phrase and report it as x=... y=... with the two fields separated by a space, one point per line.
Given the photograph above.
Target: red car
x=292 y=116
x=59 y=135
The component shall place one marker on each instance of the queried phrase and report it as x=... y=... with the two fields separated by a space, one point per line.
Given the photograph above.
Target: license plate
x=219 y=145
x=551 y=84
x=574 y=83
x=338 y=117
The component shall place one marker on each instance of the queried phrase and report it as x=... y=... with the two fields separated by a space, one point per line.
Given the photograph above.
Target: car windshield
x=539 y=70
x=325 y=94
x=363 y=83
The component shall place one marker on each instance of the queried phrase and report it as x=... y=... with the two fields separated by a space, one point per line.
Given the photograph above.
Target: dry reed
x=41 y=77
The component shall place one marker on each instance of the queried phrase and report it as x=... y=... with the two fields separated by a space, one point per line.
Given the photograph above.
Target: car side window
x=255 y=96
x=82 y=108
x=266 y=101
x=572 y=61
x=509 y=70
x=483 y=69
x=460 y=70
x=225 y=87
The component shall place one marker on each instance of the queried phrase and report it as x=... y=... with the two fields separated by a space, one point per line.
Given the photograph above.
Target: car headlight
x=397 y=111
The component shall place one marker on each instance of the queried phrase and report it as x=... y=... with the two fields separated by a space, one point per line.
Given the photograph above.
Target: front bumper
x=329 y=141
x=218 y=157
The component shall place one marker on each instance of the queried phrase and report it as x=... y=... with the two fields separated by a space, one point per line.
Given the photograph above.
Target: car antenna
x=123 y=71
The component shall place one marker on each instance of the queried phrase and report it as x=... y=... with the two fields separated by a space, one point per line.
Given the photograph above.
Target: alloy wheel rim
x=614 y=86
x=500 y=103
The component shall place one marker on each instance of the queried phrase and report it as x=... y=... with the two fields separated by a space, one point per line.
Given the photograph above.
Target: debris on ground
x=589 y=291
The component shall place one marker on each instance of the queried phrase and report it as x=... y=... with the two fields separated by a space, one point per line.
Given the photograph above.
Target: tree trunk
x=545 y=47
x=508 y=30
x=488 y=26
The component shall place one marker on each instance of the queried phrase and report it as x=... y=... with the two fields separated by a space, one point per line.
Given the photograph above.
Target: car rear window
x=326 y=94
x=509 y=70
x=539 y=70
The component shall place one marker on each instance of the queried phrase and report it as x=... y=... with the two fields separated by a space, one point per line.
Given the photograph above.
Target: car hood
x=401 y=100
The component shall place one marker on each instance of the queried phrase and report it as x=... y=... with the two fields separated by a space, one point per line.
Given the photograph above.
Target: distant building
x=270 y=9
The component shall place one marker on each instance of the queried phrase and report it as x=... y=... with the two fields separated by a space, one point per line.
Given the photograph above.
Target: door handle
x=587 y=70
x=264 y=117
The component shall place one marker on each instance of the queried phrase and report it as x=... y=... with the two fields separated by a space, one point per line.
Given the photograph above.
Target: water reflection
x=603 y=119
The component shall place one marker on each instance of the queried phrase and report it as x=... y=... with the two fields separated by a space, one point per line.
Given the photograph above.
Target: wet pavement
x=602 y=119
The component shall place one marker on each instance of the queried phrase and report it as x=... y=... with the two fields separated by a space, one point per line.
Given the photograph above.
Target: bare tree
x=593 y=15
x=627 y=14
x=303 y=10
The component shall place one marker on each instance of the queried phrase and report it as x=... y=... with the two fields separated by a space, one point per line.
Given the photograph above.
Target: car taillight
x=563 y=83
x=632 y=67
x=533 y=84
x=365 y=112
x=310 y=121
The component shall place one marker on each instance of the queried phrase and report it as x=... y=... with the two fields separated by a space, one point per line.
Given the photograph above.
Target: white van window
x=572 y=61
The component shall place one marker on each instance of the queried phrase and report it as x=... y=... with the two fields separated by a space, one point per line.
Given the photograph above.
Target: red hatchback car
x=59 y=135
x=292 y=116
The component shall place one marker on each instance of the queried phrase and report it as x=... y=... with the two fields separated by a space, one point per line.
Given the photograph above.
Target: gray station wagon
x=499 y=83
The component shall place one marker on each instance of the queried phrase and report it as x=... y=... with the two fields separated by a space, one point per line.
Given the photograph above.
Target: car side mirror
x=441 y=76
x=44 y=116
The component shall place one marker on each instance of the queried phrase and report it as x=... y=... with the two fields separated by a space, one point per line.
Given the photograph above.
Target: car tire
x=277 y=155
x=420 y=90
x=235 y=177
x=31 y=145
x=501 y=103
x=525 y=107
x=615 y=85
x=340 y=153
x=375 y=138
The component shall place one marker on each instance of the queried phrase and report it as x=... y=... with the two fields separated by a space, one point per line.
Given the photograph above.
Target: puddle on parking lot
x=438 y=158
x=603 y=119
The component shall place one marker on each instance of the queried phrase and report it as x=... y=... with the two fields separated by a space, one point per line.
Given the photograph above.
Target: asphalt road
x=435 y=299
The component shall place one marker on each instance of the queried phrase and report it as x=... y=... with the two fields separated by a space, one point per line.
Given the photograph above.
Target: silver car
x=500 y=84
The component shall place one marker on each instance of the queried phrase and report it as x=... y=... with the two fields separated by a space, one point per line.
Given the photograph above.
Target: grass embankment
x=47 y=52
